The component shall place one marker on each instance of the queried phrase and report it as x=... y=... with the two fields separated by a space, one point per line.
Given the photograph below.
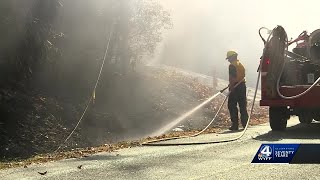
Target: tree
x=32 y=35
x=71 y=37
x=140 y=26
x=147 y=24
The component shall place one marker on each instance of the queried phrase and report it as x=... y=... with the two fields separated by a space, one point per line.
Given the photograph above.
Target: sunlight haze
x=204 y=30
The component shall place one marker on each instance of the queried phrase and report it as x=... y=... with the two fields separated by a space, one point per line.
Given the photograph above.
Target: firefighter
x=238 y=93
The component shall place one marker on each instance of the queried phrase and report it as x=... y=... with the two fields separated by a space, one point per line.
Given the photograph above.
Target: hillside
x=129 y=107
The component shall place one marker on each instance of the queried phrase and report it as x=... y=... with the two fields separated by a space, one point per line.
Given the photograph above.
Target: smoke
x=202 y=33
x=204 y=30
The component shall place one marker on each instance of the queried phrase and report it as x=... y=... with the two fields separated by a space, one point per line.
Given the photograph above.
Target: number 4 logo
x=266 y=150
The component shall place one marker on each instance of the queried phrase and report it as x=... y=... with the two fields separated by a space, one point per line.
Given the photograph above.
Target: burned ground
x=127 y=107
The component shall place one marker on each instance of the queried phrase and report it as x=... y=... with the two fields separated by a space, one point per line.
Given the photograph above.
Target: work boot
x=244 y=124
x=234 y=128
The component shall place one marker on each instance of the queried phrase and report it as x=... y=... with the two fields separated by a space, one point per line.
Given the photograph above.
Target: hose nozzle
x=224 y=89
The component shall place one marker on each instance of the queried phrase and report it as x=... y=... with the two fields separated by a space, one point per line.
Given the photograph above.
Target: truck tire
x=305 y=118
x=278 y=118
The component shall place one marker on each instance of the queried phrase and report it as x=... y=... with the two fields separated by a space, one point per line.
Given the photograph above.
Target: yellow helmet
x=231 y=53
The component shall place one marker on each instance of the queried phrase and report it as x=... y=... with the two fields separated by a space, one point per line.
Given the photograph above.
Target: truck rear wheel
x=305 y=118
x=278 y=118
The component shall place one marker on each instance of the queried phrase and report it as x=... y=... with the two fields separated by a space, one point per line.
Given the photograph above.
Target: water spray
x=185 y=115
x=157 y=142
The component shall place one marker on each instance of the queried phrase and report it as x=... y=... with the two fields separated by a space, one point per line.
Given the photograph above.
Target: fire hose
x=279 y=34
x=157 y=141
x=282 y=69
x=150 y=143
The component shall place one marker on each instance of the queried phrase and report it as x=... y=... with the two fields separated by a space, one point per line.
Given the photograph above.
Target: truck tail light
x=265 y=64
x=267 y=61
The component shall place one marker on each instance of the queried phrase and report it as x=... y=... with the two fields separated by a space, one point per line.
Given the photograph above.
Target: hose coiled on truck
x=281 y=43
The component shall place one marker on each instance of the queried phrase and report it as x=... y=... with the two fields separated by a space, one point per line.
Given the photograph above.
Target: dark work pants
x=238 y=96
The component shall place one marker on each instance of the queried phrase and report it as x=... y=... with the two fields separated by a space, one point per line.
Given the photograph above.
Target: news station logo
x=265 y=153
x=275 y=153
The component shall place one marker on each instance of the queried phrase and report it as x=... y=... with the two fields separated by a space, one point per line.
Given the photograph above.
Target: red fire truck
x=290 y=79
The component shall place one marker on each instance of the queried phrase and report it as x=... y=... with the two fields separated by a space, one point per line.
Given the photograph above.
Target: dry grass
x=259 y=116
